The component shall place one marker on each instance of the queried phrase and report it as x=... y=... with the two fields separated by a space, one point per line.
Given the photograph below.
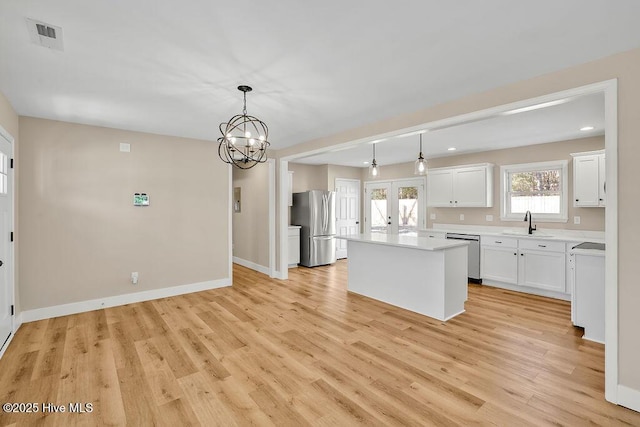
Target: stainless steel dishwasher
x=474 y=253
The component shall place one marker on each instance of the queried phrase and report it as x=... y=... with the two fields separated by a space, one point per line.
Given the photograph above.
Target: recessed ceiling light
x=586 y=128
x=452 y=149
x=366 y=163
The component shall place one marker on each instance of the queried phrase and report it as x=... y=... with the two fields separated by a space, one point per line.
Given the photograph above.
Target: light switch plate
x=489 y=217
x=432 y=216
x=125 y=148
x=461 y=217
x=576 y=220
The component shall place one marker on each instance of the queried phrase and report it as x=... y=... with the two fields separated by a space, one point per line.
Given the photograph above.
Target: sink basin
x=523 y=233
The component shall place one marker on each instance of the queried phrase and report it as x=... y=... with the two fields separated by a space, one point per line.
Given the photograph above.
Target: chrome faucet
x=527 y=216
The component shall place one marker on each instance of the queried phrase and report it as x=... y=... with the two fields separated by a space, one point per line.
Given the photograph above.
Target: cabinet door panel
x=585 y=181
x=440 y=188
x=544 y=270
x=499 y=264
x=469 y=187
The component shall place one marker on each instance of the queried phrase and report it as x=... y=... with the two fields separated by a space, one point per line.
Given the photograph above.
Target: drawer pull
x=498 y=241
x=515 y=253
x=542 y=246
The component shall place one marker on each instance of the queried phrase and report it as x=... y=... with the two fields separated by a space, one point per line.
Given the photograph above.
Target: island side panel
x=456 y=280
x=409 y=278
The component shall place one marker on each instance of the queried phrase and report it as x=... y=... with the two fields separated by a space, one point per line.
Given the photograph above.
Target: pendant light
x=244 y=139
x=421 y=163
x=374 y=169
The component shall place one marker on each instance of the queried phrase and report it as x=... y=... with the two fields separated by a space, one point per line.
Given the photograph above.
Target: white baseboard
x=17 y=321
x=252 y=265
x=628 y=397
x=96 y=304
x=527 y=290
x=279 y=275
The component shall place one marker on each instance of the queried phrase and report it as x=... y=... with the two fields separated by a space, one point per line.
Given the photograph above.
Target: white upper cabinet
x=464 y=187
x=589 y=183
x=440 y=187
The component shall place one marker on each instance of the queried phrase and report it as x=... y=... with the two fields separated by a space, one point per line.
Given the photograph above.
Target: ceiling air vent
x=44 y=34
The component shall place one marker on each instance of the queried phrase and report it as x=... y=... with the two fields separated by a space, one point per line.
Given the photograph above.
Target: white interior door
x=347 y=212
x=6 y=255
x=377 y=207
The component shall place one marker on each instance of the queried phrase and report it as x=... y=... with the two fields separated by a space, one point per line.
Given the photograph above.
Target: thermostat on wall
x=140 y=199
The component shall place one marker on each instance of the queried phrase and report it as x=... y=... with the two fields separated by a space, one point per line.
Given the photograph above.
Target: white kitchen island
x=421 y=274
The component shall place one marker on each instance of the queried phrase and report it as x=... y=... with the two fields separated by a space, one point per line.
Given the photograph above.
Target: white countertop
x=422 y=243
x=521 y=232
x=295 y=226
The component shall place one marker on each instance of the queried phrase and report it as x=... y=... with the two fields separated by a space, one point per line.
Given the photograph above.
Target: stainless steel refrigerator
x=315 y=212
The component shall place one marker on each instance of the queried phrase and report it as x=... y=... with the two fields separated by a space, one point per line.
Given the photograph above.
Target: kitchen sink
x=523 y=233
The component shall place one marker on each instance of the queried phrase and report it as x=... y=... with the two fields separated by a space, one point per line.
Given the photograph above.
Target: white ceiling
x=550 y=124
x=317 y=68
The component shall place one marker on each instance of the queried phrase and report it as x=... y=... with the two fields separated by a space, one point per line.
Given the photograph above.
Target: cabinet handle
x=450 y=201
x=521 y=254
x=601 y=199
x=498 y=241
x=542 y=246
x=515 y=253
x=577 y=200
x=456 y=201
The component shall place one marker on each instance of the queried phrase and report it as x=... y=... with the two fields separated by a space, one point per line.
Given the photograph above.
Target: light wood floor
x=303 y=351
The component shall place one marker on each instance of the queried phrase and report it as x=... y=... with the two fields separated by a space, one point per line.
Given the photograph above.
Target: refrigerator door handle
x=325 y=210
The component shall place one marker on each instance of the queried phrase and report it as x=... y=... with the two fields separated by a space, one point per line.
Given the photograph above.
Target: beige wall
x=344 y=172
x=625 y=67
x=308 y=177
x=9 y=121
x=590 y=218
x=251 y=225
x=80 y=235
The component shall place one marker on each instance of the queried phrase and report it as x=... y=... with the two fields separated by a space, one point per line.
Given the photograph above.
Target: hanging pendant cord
x=244 y=109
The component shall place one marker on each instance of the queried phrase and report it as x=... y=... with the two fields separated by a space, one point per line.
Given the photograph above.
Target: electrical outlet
x=576 y=220
x=134 y=277
x=461 y=217
x=489 y=217
x=125 y=147
x=432 y=216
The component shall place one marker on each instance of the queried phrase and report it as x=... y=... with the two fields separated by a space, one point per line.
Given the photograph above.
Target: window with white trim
x=537 y=187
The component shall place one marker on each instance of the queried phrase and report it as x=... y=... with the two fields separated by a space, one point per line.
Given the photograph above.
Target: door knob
x=1 y=263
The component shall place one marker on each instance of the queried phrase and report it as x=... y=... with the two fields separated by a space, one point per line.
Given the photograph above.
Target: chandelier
x=244 y=139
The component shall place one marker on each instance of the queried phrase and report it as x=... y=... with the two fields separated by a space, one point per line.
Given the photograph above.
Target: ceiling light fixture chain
x=244 y=139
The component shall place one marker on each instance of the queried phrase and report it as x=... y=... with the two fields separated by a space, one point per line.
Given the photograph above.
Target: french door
x=395 y=207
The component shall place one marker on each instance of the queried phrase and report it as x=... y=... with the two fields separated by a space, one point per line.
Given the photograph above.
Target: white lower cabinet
x=543 y=270
x=526 y=263
x=499 y=262
x=294 y=246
